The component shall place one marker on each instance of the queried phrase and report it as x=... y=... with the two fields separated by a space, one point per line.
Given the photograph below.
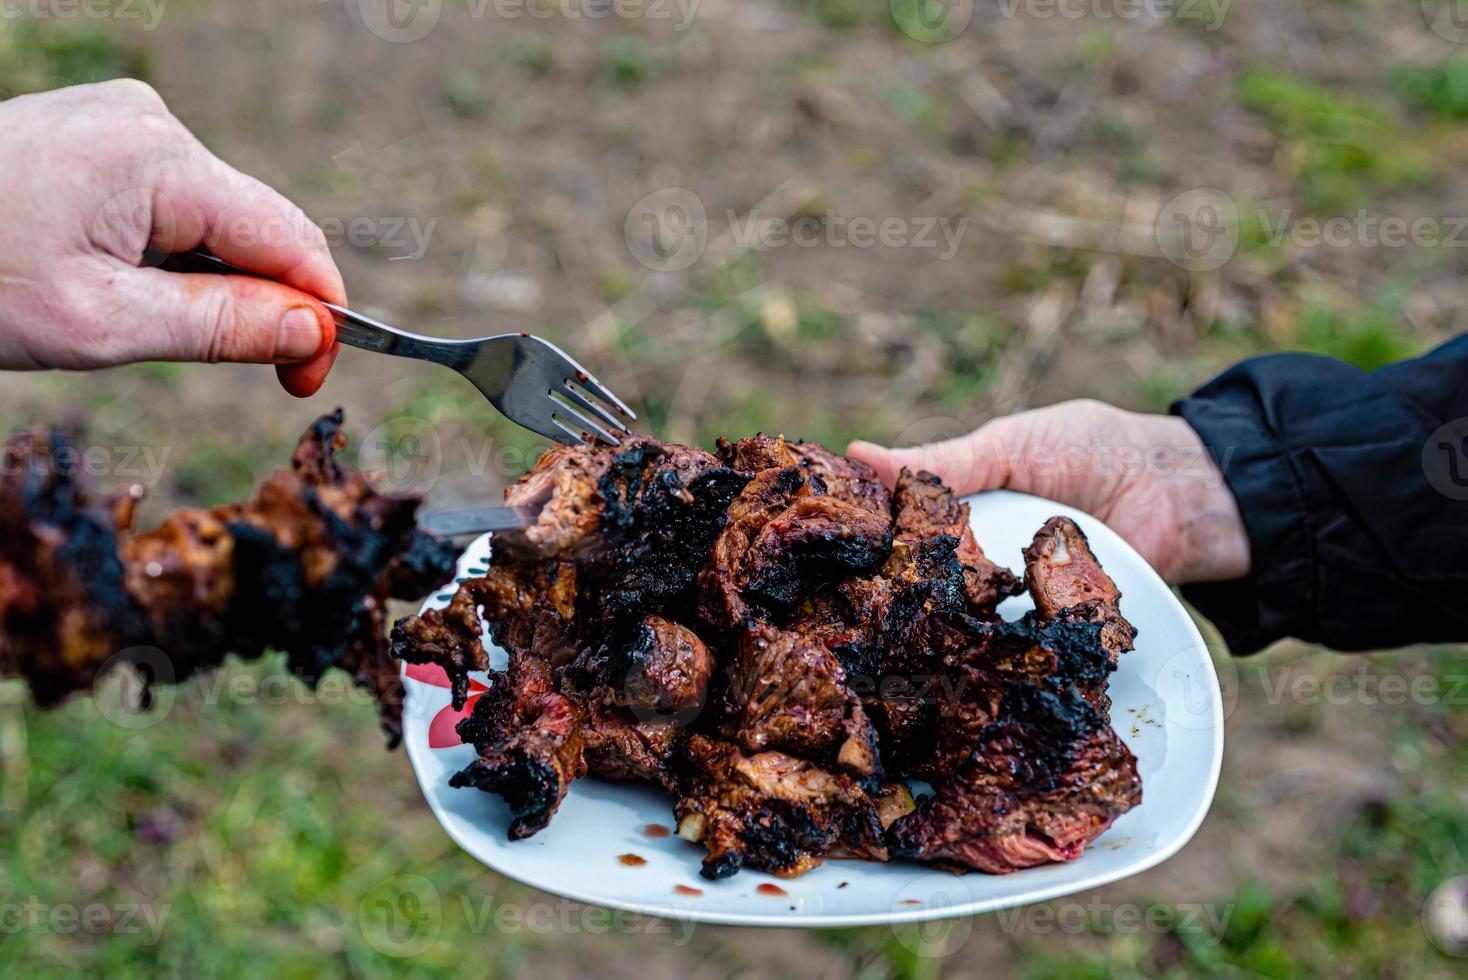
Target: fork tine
x=586 y=405
x=605 y=394
x=564 y=367
x=588 y=427
x=575 y=438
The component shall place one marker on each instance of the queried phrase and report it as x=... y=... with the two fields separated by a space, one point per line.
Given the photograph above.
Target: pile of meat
x=306 y=567
x=780 y=642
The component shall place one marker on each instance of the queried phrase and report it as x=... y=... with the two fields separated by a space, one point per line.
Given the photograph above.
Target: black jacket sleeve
x=1354 y=488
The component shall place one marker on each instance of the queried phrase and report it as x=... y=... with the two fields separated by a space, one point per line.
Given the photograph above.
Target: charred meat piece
x=771 y=811
x=663 y=672
x=1067 y=582
x=848 y=480
x=788 y=692
x=814 y=540
x=514 y=603
x=1045 y=779
x=529 y=740
x=636 y=520
x=306 y=566
x=877 y=624
x=1055 y=654
x=783 y=541
x=621 y=746
x=757 y=453
x=767 y=496
x=924 y=507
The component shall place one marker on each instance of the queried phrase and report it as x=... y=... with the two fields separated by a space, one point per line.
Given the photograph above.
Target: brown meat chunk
x=1067 y=582
x=529 y=740
x=848 y=480
x=305 y=566
x=925 y=508
x=771 y=811
x=1045 y=779
x=789 y=692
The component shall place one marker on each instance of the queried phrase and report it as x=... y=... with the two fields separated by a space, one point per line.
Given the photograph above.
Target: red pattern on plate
x=442 y=732
x=431 y=674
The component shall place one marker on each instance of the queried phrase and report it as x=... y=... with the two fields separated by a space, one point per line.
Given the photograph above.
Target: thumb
x=968 y=464
x=210 y=318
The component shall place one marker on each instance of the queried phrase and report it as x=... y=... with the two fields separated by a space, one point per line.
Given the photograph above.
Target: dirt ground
x=507 y=171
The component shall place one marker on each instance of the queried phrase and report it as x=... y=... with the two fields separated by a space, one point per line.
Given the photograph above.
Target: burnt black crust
x=528 y=786
x=656 y=540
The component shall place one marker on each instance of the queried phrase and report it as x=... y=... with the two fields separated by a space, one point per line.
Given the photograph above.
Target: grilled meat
x=529 y=738
x=771 y=811
x=809 y=632
x=1067 y=582
x=306 y=566
x=789 y=692
x=1026 y=766
x=636 y=522
x=926 y=508
x=1043 y=780
x=848 y=480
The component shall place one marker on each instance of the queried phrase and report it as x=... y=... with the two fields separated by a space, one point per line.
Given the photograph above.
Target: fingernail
x=300 y=335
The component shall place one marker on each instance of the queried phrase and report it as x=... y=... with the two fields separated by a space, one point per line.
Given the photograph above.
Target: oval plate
x=1166 y=707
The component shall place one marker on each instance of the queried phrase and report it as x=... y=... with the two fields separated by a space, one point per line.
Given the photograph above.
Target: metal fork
x=531 y=381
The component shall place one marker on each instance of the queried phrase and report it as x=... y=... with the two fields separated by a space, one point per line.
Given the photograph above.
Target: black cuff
x=1278 y=597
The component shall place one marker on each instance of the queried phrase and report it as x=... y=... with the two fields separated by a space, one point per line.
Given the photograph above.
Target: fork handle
x=352 y=328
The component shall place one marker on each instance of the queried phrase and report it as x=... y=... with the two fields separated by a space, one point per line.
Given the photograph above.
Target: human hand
x=95 y=174
x=1148 y=476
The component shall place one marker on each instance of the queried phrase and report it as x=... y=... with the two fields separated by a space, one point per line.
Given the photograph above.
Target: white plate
x=1166 y=707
